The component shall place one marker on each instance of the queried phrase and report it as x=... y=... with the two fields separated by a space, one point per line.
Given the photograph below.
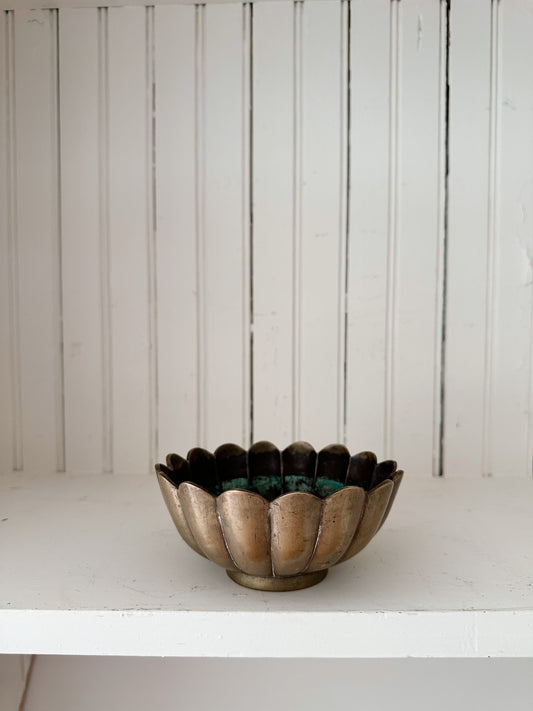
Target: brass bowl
x=278 y=520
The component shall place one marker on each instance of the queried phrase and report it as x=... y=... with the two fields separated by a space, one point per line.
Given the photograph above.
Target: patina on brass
x=277 y=521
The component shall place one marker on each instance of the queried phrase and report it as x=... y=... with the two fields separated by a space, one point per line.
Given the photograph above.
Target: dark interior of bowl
x=267 y=471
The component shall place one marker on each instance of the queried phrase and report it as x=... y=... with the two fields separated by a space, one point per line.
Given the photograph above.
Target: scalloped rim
x=270 y=446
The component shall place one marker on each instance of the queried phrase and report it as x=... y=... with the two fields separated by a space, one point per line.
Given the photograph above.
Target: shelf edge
x=460 y=634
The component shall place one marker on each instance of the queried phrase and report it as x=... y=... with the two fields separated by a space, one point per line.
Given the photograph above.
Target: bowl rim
x=392 y=477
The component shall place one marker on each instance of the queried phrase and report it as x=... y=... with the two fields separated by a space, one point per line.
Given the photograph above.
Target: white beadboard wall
x=232 y=222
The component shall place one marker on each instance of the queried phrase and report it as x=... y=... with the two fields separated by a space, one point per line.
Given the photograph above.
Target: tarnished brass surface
x=376 y=503
x=278 y=520
x=340 y=517
x=294 y=522
x=170 y=496
x=200 y=510
x=296 y=582
x=244 y=520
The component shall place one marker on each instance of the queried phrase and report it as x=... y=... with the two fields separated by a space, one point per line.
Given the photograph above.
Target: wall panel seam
x=199 y=139
x=492 y=236
x=439 y=386
x=297 y=222
x=12 y=241
x=247 y=223
x=58 y=238
x=344 y=202
x=393 y=226
x=151 y=240
x=104 y=245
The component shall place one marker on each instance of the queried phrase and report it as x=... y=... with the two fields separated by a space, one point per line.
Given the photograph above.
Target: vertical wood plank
x=367 y=276
x=322 y=257
x=393 y=227
x=246 y=222
x=223 y=272
x=128 y=238
x=38 y=239
x=418 y=230
x=439 y=372
x=511 y=417
x=176 y=230
x=151 y=240
x=8 y=328
x=467 y=237
x=83 y=267
x=273 y=152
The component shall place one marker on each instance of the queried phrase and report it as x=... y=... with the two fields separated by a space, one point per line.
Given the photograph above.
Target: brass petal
x=177 y=463
x=396 y=480
x=200 y=511
x=332 y=463
x=202 y=468
x=230 y=463
x=376 y=504
x=341 y=513
x=294 y=522
x=264 y=465
x=170 y=495
x=360 y=469
x=246 y=530
x=298 y=467
x=382 y=472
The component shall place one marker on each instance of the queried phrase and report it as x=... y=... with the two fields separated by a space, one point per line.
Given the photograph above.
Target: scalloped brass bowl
x=278 y=520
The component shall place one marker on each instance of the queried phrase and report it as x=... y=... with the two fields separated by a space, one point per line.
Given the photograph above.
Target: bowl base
x=294 y=582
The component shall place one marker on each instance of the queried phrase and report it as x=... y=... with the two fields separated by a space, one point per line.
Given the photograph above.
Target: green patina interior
x=269 y=487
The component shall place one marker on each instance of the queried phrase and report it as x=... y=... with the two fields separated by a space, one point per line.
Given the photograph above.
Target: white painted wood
x=511 y=415
x=321 y=252
x=101 y=570
x=92 y=683
x=36 y=234
x=224 y=290
x=83 y=265
x=273 y=221
x=44 y=4
x=367 y=278
x=393 y=348
x=467 y=238
x=177 y=288
x=155 y=314
x=8 y=376
x=129 y=236
x=13 y=670
x=416 y=222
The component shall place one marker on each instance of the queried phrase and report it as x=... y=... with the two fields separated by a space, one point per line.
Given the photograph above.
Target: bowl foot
x=294 y=582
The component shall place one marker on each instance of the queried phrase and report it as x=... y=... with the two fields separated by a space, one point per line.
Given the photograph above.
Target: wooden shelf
x=93 y=565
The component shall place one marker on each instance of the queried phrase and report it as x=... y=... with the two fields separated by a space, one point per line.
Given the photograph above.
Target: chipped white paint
x=219 y=225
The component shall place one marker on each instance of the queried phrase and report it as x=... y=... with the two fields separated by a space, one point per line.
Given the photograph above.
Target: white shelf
x=93 y=565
